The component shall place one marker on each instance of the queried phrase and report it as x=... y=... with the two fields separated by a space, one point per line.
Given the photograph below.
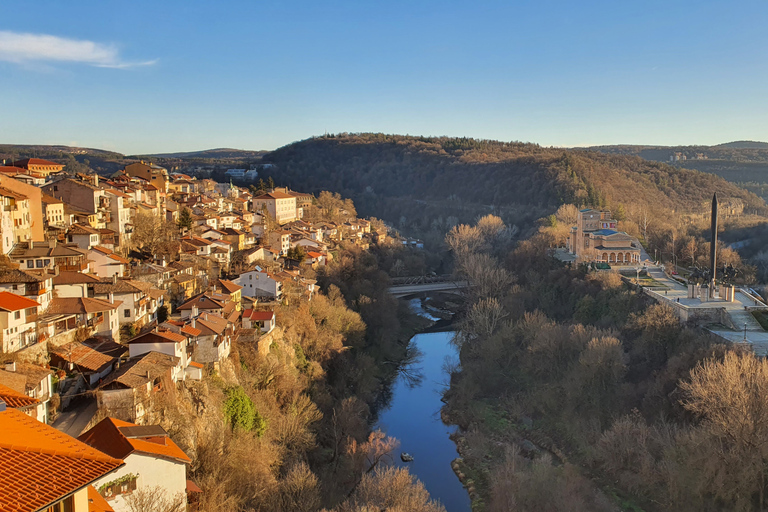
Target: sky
x=163 y=76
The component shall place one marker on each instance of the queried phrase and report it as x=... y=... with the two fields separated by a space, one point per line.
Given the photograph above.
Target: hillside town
x=115 y=288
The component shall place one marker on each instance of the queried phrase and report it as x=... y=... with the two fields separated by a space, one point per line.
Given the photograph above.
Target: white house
x=17 y=321
x=151 y=459
x=106 y=263
x=264 y=320
x=165 y=342
x=257 y=283
x=281 y=206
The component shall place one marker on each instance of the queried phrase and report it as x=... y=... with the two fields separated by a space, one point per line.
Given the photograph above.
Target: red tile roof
x=83 y=356
x=96 y=503
x=40 y=465
x=229 y=286
x=12 y=302
x=192 y=487
x=109 y=436
x=258 y=315
x=158 y=337
x=188 y=329
x=15 y=399
x=80 y=305
x=194 y=364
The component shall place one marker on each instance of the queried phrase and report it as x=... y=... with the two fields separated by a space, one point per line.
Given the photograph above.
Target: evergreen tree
x=185 y=219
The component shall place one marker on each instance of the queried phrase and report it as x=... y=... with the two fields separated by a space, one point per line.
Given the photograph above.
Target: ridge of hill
x=422 y=184
x=743 y=144
x=211 y=153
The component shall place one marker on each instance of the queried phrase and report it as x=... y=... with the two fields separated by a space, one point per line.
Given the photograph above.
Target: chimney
x=194 y=311
x=194 y=323
x=111 y=298
x=148 y=375
x=114 y=278
x=52 y=243
x=10 y=366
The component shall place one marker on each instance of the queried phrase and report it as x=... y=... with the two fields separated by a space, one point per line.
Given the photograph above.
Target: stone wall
x=700 y=315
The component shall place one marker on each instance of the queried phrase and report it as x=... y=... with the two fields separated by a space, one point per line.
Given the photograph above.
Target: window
x=127 y=313
x=30 y=264
x=16 y=315
x=39 y=263
x=15 y=287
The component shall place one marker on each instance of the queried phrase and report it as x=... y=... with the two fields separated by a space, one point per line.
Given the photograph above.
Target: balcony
x=78 y=267
x=93 y=322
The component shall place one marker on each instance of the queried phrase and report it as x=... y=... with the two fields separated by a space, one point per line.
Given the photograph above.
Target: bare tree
x=729 y=396
x=154 y=499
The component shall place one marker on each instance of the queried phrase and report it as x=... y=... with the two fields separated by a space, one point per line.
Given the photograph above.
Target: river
x=413 y=417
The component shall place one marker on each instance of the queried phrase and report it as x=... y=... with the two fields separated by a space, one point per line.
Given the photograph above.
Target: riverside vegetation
x=291 y=430
x=576 y=392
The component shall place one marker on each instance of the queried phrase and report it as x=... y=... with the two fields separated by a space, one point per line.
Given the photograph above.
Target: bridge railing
x=426 y=279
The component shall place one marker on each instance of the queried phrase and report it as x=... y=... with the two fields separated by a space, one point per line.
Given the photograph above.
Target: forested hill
x=422 y=183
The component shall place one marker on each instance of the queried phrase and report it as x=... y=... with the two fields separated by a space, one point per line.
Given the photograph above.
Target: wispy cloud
x=22 y=48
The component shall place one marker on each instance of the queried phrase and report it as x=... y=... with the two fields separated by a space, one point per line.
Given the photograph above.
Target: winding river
x=413 y=417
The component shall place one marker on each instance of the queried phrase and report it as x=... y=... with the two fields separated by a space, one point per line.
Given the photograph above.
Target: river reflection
x=413 y=417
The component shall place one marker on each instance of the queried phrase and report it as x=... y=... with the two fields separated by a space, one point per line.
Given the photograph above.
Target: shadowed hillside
x=426 y=184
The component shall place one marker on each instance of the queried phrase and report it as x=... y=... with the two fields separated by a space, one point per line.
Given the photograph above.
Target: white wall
x=152 y=471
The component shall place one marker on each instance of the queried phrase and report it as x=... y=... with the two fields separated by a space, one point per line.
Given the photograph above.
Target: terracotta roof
x=258 y=315
x=47 y=199
x=158 y=337
x=193 y=364
x=96 y=502
x=40 y=465
x=274 y=195
x=156 y=293
x=34 y=161
x=15 y=399
x=107 y=285
x=12 y=302
x=211 y=324
x=191 y=331
x=206 y=300
x=229 y=286
x=26 y=377
x=140 y=370
x=83 y=356
x=80 y=305
x=119 y=439
x=110 y=254
x=67 y=277
x=81 y=229
x=106 y=346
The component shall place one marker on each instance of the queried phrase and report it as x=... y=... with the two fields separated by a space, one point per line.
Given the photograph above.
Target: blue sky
x=143 y=77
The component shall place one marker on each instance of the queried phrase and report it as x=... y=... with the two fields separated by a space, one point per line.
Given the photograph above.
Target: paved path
x=75 y=420
x=756 y=336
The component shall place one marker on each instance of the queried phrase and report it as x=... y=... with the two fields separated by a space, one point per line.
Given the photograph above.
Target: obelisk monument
x=713 y=249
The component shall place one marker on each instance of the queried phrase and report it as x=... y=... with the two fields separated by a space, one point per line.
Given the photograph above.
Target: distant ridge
x=744 y=144
x=211 y=153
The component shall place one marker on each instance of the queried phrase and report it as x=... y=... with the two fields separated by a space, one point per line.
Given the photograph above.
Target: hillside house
x=33 y=381
x=18 y=317
x=151 y=459
x=125 y=393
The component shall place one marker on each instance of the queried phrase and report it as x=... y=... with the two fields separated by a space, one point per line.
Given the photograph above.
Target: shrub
x=241 y=413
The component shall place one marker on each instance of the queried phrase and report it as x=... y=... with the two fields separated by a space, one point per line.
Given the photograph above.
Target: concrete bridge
x=413 y=285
